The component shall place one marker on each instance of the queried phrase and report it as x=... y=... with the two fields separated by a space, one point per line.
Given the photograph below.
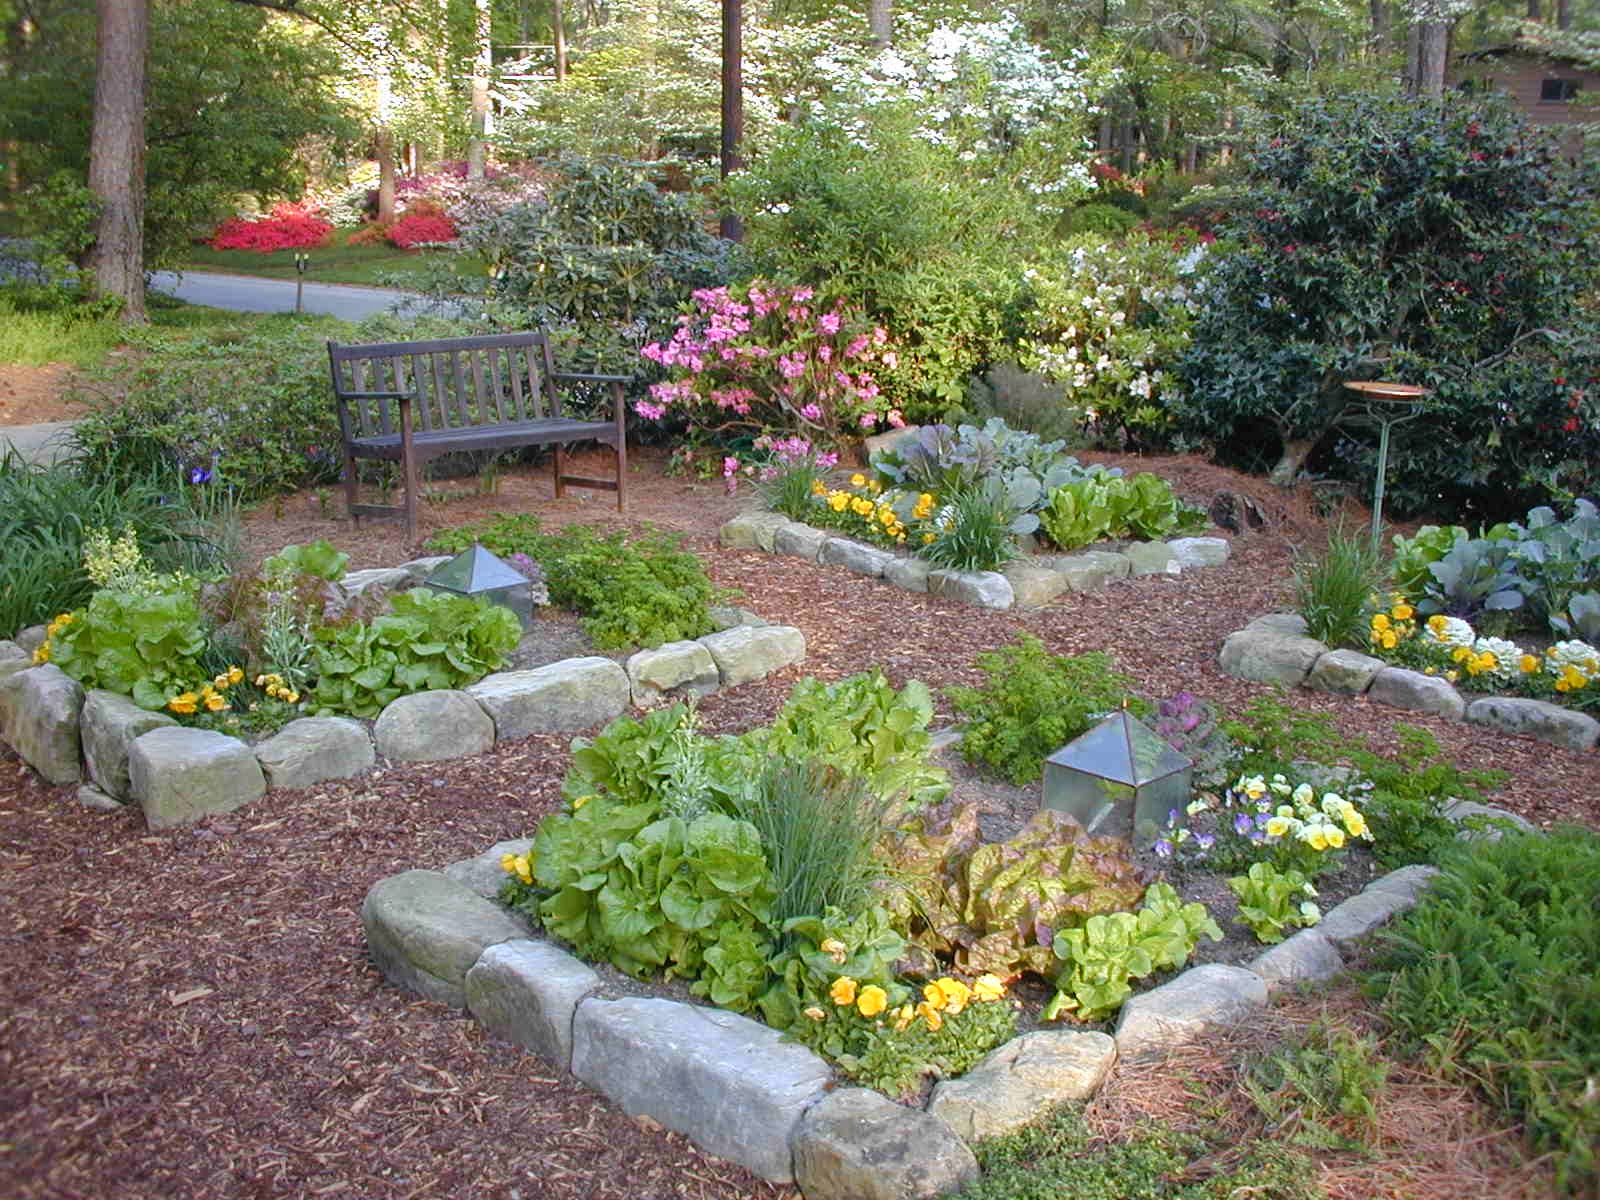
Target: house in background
x=1549 y=86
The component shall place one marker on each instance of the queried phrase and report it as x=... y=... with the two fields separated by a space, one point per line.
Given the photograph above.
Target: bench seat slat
x=434 y=442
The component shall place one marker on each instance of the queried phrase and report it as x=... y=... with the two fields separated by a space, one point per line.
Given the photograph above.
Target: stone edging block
x=1275 y=649
x=1028 y=583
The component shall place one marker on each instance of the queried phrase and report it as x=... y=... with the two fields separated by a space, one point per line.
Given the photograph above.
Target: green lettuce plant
x=1140 y=506
x=1271 y=902
x=146 y=644
x=1110 y=950
x=430 y=641
x=861 y=726
x=996 y=907
x=650 y=894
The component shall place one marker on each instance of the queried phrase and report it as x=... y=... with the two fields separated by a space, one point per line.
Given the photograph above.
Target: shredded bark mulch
x=192 y=1013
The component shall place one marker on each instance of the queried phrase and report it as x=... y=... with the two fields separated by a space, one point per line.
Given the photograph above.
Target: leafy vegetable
x=1271 y=902
x=1106 y=506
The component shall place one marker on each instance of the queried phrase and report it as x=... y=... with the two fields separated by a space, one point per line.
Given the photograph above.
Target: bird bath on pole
x=1388 y=404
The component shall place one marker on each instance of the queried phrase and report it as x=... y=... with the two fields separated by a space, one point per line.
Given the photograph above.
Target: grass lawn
x=374 y=264
x=32 y=339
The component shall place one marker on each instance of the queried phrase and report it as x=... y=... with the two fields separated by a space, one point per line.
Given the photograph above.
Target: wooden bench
x=410 y=402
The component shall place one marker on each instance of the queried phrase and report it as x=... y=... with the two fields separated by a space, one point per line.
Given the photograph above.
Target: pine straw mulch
x=192 y=1013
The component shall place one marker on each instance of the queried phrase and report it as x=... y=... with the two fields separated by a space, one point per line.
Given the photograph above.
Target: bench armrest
x=377 y=395
x=587 y=377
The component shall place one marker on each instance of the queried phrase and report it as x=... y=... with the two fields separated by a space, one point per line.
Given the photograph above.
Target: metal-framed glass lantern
x=1121 y=779
x=485 y=576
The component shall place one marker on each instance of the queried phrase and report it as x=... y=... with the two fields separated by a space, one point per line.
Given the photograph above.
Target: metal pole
x=1377 y=494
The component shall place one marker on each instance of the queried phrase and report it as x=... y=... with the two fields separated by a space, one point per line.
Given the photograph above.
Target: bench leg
x=408 y=456
x=561 y=470
x=622 y=472
x=352 y=489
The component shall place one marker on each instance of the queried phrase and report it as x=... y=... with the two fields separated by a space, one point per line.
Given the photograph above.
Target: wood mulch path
x=192 y=1013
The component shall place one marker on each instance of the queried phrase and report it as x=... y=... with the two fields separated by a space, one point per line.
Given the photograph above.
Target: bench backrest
x=457 y=383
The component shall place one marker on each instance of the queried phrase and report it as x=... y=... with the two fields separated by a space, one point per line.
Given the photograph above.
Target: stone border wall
x=1277 y=649
x=738 y=1091
x=178 y=774
x=1026 y=584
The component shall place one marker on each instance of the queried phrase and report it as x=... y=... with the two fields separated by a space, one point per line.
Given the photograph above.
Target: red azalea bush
x=288 y=227
x=422 y=222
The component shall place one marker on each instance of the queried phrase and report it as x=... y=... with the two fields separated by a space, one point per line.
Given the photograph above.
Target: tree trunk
x=1535 y=10
x=1287 y=469
x=482 y=67
x=880 y=20
x=1563 y=14
x=732 y=106
x=1413 y=57
x=1379 y=38
x=116 y=154
x=1433 y=56
x=385 y=149
x=558 y=29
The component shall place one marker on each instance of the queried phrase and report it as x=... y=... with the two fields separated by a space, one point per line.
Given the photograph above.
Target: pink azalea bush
x=762 y=356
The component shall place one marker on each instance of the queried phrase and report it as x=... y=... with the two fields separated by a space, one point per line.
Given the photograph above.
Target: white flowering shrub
x=1110 y=319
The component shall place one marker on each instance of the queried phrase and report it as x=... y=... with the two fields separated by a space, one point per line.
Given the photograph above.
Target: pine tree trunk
x=880 y=20
x=558 y=29
x=116 y=154
x=732 y=106
x=385 y=150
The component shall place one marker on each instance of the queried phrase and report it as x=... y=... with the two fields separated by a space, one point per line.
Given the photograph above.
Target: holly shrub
x=1438 y=243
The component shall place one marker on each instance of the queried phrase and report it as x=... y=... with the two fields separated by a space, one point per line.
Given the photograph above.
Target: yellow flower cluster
x=1397 y=625
x=1475 y=662
x=520 y=865
x=866 y=507
x=941 y=998
x=276 y=689
x=210 y=696
x=41 y=652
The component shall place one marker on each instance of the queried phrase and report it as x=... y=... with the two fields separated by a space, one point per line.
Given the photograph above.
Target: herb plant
x=1333 y=589
x=1033 y=703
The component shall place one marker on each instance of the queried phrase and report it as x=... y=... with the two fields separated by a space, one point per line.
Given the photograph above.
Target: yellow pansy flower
x=858 y=480
x=235 y=674
x=818 y=488
x=872 y=1000
x=903 y=1017
x=956 y=994
x=930 y=1014
x=815 y=1013
x=1317 y=839
x=1402 y=612
x=843 y=991
x=988 y=987
x=1277 y=827
x=1355 y=823
x=1335 y=836
x=833 y=948
x=215 y=703
x=837 y=501
x=933 y=995
x=1380 y=622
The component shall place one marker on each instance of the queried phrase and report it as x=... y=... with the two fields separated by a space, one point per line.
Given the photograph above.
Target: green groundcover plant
x=1495 y=976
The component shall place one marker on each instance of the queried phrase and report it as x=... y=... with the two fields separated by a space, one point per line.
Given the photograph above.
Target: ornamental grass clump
x=1331 y=589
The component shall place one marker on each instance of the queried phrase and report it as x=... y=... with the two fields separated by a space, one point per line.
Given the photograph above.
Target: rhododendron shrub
x=287 y=227
x=762 y=356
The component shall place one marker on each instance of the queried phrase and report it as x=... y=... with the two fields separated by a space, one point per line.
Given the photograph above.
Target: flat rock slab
x=482 y=874
x=432 y=727
x=754 y=530
x=1266 y=655
x=1347 y=923
x=1536 y=718
x=986 y=589
x=859 y=1145
x=313 y=749
x=1409 y=882
x=1291 y=624
x=527 y=991
x=425 y=931
x=750 y=652
x=39 y=709
x=1305 y=957
x=1412 y=690
x=1343 y=672
x=1200 y=551
x=108 y=725
x=1469 y=812
x=1092 y=570
x=1201 y=999
x=726 y=616
x=1152 y=558
x=675 y=669
x=564 y=697
x=799 y=541
x=1013 y=1085
x=854 y=556
x=908 y=574
x=1034 y=586
x=179 y=775
x=730 y=1084
x=14 y=658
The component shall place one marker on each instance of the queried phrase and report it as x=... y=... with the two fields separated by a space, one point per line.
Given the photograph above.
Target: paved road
x=248 y=293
